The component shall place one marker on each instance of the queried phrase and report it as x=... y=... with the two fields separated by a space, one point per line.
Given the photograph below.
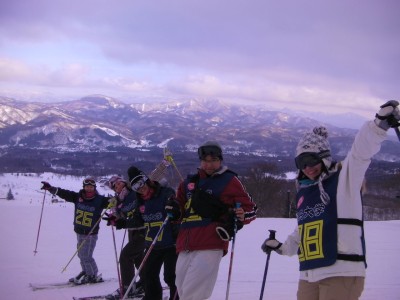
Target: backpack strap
x=352 y=257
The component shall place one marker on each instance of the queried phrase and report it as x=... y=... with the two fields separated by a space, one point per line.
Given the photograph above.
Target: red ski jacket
x=197 y=233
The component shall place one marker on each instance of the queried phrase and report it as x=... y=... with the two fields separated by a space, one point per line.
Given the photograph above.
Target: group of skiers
x=188 y=231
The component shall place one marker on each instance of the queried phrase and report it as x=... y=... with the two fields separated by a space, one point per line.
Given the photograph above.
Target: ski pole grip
x=271 y=234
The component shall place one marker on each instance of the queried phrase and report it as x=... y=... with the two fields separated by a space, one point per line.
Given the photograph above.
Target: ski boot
x=77 y=277
x=89 y=279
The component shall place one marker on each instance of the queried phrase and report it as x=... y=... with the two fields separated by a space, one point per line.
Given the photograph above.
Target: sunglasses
x=307 y=159
x=138 y=182
x=89 y=182
x=209 y=150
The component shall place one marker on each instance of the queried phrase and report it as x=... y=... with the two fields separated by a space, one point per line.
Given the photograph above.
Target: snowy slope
x=19 y=220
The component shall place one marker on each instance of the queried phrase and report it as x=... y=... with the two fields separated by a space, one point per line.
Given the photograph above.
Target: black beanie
x=134 y=172
x=89 y=181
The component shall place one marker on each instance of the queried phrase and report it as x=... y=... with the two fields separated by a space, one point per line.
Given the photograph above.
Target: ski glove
x=226 y=226
x=47 y=187
x=172 y=208
x=388 y=116
x=120 y=223
x=271 y=245
x=111 y=219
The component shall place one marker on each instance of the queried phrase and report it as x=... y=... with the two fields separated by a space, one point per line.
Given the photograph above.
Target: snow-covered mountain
x=99 y=124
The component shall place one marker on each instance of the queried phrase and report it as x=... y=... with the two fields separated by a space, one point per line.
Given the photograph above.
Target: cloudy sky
x=331 y=56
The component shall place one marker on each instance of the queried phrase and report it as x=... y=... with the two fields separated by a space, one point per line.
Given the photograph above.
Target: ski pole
x=397 y=130
x=123 y=241
x=176 y=168
x=145 y=258
x=40 y=223
x=390 y=119
x=116 y=259
x=232 y=252
x=83 y=242
x=271 y=237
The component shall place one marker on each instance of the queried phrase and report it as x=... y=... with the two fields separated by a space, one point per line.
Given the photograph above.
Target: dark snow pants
x=131 y=256
x=155 y=260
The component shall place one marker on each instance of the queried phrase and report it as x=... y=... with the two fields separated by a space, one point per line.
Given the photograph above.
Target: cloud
x=13 y=70
x=306 y=53
x=278 y=88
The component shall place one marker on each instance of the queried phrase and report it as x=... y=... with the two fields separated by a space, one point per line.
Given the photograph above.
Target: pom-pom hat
x=314 y=148
x=314 y=142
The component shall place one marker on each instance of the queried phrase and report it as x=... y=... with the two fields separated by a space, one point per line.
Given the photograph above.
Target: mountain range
x=101 y=124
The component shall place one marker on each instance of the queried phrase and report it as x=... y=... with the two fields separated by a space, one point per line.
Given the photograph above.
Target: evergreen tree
x=10 y=195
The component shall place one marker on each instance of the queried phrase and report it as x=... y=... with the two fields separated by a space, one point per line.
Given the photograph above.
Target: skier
x=152 y=198
x=206 y=210
x=126 y=215
x=329 y=238
x=88 y=209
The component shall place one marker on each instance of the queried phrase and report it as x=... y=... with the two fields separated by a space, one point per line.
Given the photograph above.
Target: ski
x=58 y=285
x=91 y=297
x=104 y=297
x=46 y=286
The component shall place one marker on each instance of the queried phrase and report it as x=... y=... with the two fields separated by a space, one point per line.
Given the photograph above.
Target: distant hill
x=101 y=134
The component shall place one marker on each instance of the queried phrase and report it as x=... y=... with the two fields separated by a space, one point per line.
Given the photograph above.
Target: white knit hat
x=113 y=180
x=316 y=141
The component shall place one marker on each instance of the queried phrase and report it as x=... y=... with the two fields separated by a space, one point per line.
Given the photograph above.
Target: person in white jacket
x=329 y=237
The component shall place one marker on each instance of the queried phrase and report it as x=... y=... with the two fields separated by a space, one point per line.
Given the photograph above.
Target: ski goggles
x=89 y=182
x=309 y=159
x=213 y=151
x=138 y=182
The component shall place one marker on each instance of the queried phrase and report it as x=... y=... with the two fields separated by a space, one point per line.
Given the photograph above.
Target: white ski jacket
x=366 y=144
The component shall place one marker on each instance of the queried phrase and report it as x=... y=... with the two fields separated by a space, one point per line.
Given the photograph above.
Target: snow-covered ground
x=19 y=223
